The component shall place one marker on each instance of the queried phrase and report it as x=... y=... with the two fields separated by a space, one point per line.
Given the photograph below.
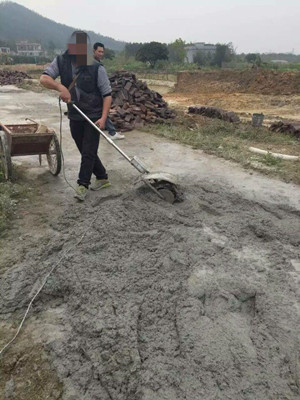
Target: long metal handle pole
x=102 y=133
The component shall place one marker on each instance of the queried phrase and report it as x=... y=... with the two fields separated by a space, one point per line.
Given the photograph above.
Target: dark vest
x=90 y=100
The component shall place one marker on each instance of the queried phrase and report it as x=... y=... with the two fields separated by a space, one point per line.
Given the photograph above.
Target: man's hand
x=101 y=123
x=64 y=94
x=106 y=106
x=50 y=83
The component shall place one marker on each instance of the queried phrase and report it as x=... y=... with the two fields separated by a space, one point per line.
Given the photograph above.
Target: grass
x=271 y=161
x=232 y=141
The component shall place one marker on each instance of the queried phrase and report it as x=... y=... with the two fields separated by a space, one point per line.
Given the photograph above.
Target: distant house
x=5 y=50
x=194 y=48
x=279 y=61
x=26 y=48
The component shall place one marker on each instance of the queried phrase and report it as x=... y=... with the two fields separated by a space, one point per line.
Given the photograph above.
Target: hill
x=19 y=23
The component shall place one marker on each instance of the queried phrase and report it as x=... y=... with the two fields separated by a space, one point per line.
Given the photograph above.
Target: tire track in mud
x=195 y=300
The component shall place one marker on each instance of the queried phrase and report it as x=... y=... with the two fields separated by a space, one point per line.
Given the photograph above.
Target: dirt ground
x=275 y=94
x=149 y=301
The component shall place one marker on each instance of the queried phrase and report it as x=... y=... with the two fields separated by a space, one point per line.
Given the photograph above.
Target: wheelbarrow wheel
x=5 y=158
x=54 y=156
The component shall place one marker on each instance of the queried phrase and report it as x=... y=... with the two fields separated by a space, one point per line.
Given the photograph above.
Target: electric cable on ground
x=61 y=149
x=43 y=284
x=62 y=257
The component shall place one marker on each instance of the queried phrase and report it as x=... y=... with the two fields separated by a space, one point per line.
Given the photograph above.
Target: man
x=99 y=50
x=85 y=82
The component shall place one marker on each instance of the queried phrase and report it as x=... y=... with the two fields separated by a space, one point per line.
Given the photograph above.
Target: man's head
x=79 y=47
x=98 y=50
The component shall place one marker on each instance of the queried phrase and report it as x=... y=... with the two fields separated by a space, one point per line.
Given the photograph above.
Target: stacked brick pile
x=8 y=77
x=213 y=112
x=134 y=104
x=286 y=126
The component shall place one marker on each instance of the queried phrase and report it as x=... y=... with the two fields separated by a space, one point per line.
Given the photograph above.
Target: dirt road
x=150 y=301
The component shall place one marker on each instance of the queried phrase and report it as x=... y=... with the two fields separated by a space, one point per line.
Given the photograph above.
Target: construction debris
x=286 y=126
x=8 y=77
x=134 y=104
x=213 y=112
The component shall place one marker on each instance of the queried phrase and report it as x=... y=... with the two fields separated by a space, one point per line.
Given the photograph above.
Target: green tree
x=109 y=54
x=202 y=58
x=224 y=53
x=152 y=52
x=5 y=59
x=253 y=58
x=177 y=51
x=131 y=49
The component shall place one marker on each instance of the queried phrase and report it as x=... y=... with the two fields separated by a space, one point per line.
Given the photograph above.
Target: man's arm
x=105 y=90
x=48 y=80
x=106 y=107
x=50 y=83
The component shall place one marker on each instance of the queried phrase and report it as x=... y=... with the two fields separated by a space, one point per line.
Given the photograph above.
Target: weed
x=232 y=141
x=270 y=160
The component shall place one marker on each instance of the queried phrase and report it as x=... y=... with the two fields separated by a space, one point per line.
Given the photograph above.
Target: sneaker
x=100 y=184
x=81 y=192
x=117 y=136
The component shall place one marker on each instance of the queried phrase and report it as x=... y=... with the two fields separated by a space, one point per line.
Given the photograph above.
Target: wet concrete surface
x=197 y=300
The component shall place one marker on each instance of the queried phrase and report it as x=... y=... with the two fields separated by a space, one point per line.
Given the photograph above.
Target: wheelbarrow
x=28 y=139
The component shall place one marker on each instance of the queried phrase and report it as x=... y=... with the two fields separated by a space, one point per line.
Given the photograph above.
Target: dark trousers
x=87 y=141
x=110 y=127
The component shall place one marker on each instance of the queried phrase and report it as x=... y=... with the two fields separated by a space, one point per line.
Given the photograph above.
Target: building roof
x=200 y=46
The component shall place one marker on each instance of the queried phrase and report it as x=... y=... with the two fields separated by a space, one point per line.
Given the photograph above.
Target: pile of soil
x=134 y=103
x=8 y=77
x=256 y=80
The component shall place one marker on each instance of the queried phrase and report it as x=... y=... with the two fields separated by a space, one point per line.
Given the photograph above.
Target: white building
x=26 y=48
x=194 y=48
x=5 y=50
x=279 y=61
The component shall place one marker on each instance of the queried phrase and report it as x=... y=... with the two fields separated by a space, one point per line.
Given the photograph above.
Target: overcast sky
x=251 y=25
